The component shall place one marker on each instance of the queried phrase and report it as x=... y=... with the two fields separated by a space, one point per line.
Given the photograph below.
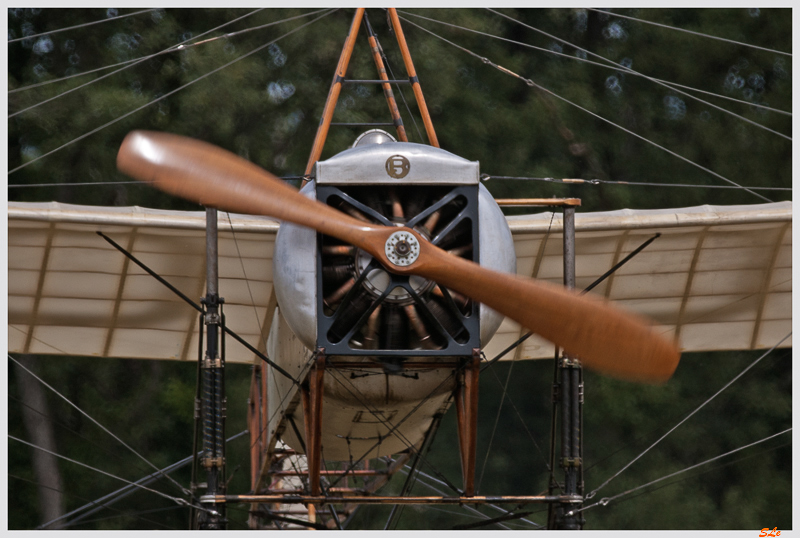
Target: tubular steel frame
x=568 y=397
x=339 y=79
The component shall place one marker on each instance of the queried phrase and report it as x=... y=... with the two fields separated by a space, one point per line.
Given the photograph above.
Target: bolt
x=402 y=248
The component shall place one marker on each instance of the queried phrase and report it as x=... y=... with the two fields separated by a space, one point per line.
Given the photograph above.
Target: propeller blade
x=603 y=336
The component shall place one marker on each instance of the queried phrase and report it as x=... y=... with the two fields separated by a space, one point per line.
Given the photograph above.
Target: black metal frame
x=471 y=322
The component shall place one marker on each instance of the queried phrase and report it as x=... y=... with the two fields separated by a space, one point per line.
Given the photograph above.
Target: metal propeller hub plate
x=402 y=248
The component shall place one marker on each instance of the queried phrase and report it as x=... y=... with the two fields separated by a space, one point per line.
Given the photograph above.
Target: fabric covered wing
x=719 y=277
x=72 y=293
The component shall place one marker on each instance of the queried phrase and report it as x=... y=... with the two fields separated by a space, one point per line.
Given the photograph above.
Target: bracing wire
x=496 y=422
x=484 y=177
x=84 y=413
x=651 y=79
x=106 y=501
x=393 y=428
x=109 y=19
x=179 y=46
x=137 y=514
x=442 y=493
x=176 y=500
x=606 y=500
x=247 y=280
x=533 y=84
x=614 y=67
x=712 y=469
x=687 y=417
x=398 y=87
x=700 y=34
x=67 y=428
x=471 y=509
x=45 y=525
x=525 y=426
x=643 y=436
x=179 y=88
x=570 y=181
x=185 y=45
x=99 y=183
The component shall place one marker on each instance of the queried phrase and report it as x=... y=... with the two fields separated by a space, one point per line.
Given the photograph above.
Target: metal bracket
x=570 y=362
x=571 y=462
x=212 y=363
x=208 y=463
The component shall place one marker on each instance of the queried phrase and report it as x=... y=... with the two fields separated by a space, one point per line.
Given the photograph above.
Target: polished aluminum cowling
x=349 y=428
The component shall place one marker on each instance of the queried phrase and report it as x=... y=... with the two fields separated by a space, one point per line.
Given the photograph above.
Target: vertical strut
x=467 y=419
x=571 y=399
x=312 y=409
x=212 y=397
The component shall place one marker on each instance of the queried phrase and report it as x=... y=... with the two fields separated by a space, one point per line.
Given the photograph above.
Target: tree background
x=266 y=108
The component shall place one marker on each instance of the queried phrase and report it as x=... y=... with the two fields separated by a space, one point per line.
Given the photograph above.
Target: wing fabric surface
x=718 y=276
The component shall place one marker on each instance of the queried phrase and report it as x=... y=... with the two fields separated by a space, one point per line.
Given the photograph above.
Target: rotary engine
x=336 y=297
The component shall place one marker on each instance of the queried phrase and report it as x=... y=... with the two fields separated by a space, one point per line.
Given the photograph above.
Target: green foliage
x=266 y=108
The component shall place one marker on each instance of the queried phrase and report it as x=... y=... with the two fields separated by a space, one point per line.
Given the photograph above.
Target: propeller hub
x=402 y=248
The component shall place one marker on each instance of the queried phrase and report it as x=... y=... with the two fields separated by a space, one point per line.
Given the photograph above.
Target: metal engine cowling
x=334 y=296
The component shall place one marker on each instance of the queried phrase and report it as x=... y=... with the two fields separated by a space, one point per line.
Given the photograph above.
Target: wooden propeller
x=604 y=337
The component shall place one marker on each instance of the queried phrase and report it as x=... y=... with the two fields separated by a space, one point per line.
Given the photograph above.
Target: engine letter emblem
x=397 y=166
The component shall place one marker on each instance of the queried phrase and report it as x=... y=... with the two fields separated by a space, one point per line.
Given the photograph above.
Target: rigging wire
x=123 y=443
x=496 y=422
x=470 y=508
x=45 y=525
x=605 y=500
x=644 y=436
x=179 y=46
x=700 y=34
x=176 y=500
x=122 y=514
x=81 y=184
x=185 y=45
x=615 y=67
x=533 y=84
x=508 y=377
x=484 y=177
x=524 y=425
x=573 y=181
x=106 y=500
x=727 y=464
x=398 y=87
x=51 y=346
x=75 y=432
x=393 y=428
x=690 y=415
x=442 y=493
x=179 y=88
x=109 y=19
x=651 y=79
x=247 y=281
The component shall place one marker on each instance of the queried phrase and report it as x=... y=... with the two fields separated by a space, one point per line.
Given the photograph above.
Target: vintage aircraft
x=387 y=277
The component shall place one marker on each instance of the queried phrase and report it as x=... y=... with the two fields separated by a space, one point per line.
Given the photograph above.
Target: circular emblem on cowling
x=397 y=166
x=402 y=248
